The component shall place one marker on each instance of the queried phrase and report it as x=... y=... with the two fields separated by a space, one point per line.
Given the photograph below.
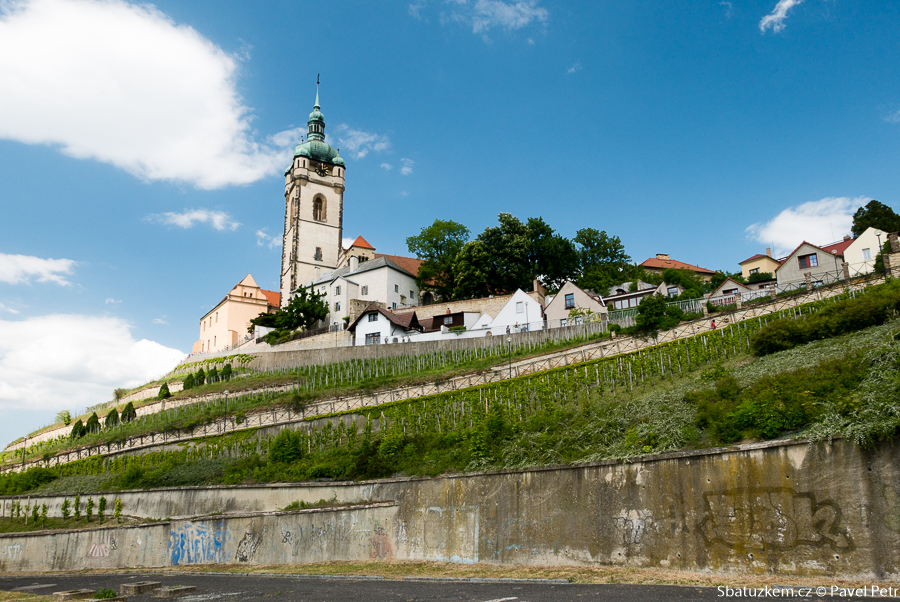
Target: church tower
x=314 y=208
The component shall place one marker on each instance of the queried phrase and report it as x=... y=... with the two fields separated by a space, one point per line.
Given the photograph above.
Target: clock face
x=321 y=169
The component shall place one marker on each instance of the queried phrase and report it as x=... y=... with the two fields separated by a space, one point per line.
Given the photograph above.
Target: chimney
x=354 y=263
x=846 y=237
x=663 y=256
x=768 y=251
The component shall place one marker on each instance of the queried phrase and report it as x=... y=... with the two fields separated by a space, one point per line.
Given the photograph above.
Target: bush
x=65 y=510
x=128 y=413
x=77 y=430
x=164 y=392
x=93 y=424
x=226 y=372
x=200 y=377
x=112 y=419
x=213 y=375
x=105 y=593
x=188 y=382
x=286 y=447
x=65 y=417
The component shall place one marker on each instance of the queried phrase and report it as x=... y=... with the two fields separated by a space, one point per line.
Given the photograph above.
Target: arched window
x=319 y=209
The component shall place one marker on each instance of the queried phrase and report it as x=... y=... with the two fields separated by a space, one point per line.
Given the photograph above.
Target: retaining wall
x=775 y=508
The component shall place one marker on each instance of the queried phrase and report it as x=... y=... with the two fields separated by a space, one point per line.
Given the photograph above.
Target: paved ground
x=239 y=588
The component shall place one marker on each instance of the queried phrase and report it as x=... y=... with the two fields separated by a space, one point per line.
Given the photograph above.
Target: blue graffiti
x=192 y=543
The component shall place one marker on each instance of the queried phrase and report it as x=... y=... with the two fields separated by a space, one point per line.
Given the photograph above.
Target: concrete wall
x=780 y=507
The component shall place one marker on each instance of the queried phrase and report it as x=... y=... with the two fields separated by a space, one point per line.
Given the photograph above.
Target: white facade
x=374 y=328
x=378 y=280
x=861 y=253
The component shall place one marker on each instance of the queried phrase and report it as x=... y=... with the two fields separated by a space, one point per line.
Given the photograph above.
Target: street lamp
x=509 y=348
x=878 y=233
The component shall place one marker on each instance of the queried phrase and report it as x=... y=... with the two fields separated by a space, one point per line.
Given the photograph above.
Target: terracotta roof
x=839 y=247
x=408 y=321
x=362 y=243
x=410 y=264
x=758 y=256
x=273 y=297
x=664 y=264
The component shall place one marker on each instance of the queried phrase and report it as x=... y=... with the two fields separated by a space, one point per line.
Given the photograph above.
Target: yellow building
x=759 y=264
x=227 y=323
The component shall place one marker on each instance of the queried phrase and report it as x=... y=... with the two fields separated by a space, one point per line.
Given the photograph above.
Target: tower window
x=365 y=290
x=337 y=291
x=318 y=255
x=337 y=306
x=319 y=209
x=396 y=288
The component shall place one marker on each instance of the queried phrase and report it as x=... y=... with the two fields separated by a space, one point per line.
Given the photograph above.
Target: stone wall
x=785 y=508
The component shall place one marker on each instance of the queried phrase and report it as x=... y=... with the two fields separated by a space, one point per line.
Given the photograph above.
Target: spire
x=316 y=119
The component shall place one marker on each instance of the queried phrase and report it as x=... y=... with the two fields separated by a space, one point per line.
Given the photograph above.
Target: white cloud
x=111 y=300
x=530 y=42
x=817 y=222
x=407 y=166
x=186 y=219
x=775 y=19
x=346 y=242
x=60 y=362
x=159 y=321
x=729 y=8
x=124 y=84
x=8 y=309
x=387 y=166
x=263 y=239
x=893 y=117
x=20 y=269
x=360 y=143
x=574 y=68
x=484 y=15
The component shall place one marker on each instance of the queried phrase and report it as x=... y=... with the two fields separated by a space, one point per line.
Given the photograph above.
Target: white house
x=377 y=280
x=377 y=326
x=572 y=297
x=861 y=253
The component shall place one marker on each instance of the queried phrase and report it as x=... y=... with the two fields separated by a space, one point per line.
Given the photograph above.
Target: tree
x=101 y=509
x=760 y=277
x=77 y=430
x=188 y=382
x=305 y=308
x=879 y=259
x=112 y=419
x=93 y=424
x=875 y=215
x=76 y=507
x=602 y=260
x=65 y=417
x=200 y=377
x=213 y=375
x=164 y=392
x=264 y=320
x=128 y=413
x=119 y=393
x=439 y=245
x=508 y=254
x=471 y=271
x=226 y=372
x=655 y=314
x=89 y=509
x=65 y=510
x=117 y=509
x=687 y=280
x=552 y=258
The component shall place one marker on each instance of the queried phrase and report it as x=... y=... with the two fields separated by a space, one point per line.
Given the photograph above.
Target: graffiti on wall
x=14 y=550
x=103 y=543
x=197 y=542
x=335 y=531
x=772 y=518
x=249 y=543
x=448 y=533
x=633 y=526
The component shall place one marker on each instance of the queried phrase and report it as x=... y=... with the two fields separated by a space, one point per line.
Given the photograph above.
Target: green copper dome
x=315 y=147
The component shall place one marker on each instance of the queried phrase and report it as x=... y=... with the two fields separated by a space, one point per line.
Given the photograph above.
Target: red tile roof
x=408 y=321
x=273 y=297
x=410 y=264
x=362 y=243
x=664 y=264
x=839 y=247
x=758 y=256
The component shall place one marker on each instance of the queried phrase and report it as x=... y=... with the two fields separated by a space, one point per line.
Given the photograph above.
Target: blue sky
x=142 y=147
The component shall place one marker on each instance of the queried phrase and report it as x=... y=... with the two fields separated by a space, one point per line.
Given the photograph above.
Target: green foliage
x=43 y=512
x=128 y=413
x=213 y=375
x=104 y=593
x=875 y=215
x=34 y=513
x=878 y=268
x=200 y=377
x=654 y=314
x=304 y=310
x=287 y=446
x=760 y=277
x=875 y=306
x=438 y=245
x=188 y=382
x=119 y=393
x=76 y=507
x=93 y=424
x=690 y=282
x=164 y=391
x=12 y=483
x=602 y=260
x=226 y=372
x=101 y=509
x=117 y=509
x=89 y=509
x=66 y=510
x=78 y=430
x=112 y=418
x=65 y=417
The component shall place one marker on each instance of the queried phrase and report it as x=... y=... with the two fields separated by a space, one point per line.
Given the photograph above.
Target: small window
x=373 y=338
x=412 y=294
x=578 y=320
x=867 y=254
x=319 y=209
x=563 y=322
x=337 y=306
x=394 y=305
x=396 y=288
x=520 y=307
x=754 y=271
x=673 y=291
x=808 y=261
x=217 y=317
x=365 y=290
x=318 y=255
x=373 y=317
x=730 y=291
x=448 y=320
x=337 y=291
x=570 y=301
